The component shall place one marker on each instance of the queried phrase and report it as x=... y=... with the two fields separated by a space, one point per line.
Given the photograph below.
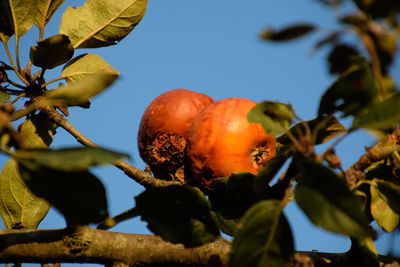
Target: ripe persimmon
x=164 y=128
x=222 y=141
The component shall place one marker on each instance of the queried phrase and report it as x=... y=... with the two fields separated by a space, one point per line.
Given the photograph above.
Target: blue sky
x=211 y=47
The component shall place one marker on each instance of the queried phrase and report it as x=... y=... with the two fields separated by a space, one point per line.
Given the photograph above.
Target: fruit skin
x=221 y=141
x=164 y=128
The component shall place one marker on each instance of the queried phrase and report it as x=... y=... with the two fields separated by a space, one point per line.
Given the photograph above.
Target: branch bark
x=88 y=245
x=377 y=152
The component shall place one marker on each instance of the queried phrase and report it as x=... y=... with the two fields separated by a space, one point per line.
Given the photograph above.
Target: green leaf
x=340 y=58
x=354 y=91
x=264 y=237
x=24 y=14
x=84 y=66
x=79 y=93
x=101 y=23
x=70 y=159
x=17 y=203
x=234 y=195
x=46 y=10
x=322 y=128
x=287 y=34
x=52 y=52
x=78 y=195
x=386 y=218
x=328 y=202
x=274 y=117
x=227 y=226
x=391 y=193
x=4 y=97
x=179 y=214
x=37 y=131
x=6 y=21
x=381 y=115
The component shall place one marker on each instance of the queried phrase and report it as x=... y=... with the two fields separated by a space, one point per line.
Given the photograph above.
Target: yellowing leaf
x=101 y=23
x=83 y=66
x=17 y=203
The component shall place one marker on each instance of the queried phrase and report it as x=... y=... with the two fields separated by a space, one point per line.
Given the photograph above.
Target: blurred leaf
x=322 y=128
x=363 y=251
x=101 y=23
x=179 y=214
x=386 y=218
x=386 y=46
x=84 y=66
x=17 y=203
x=227 y=226
x=37 y=131
x=288 y=33
x=379 y=8
x=46 y=10
x=274 y=117
x=24 y=14
x=340 y=58
x=234 y=195
x=331 y=38
x=52 y=52
x=352 y=92
x=79 y=93
x=329 y=203
x=6 y=21
x=78 y=195
x=391 y=192
x=70 y=159
x=380 y=115
x=264 y=237
x=4 y=97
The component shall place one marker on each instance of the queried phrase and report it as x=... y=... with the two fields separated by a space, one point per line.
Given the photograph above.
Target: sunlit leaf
x=381 y=211
x=274 y=117
x=101 y=23
x=328 y=202
x=354 y=91
x=52 y=52
x=78 y=195
x=46 y=10
x=4 y=97
x=37 y=131
x=288 y=33
x=391 y=192
x=84 y=66
x=264 y=237
x=79 y=93
x=17 y=203
x=70 y=159
x=24 y=14
x=381 y=115
x=179 y=214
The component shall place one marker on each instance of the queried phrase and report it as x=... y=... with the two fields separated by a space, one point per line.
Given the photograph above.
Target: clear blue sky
x=211 y=47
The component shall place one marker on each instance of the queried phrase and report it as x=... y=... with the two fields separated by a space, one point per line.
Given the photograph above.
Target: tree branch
x=377 y=152
x=136 y=174
x=88 y=245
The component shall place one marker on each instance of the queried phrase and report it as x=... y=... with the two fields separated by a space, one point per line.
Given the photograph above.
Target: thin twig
x=16 y=84
x=52 y=81
x=141 y=177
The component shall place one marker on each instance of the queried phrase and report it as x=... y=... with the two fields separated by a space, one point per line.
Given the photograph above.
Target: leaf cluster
x=248 y=207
